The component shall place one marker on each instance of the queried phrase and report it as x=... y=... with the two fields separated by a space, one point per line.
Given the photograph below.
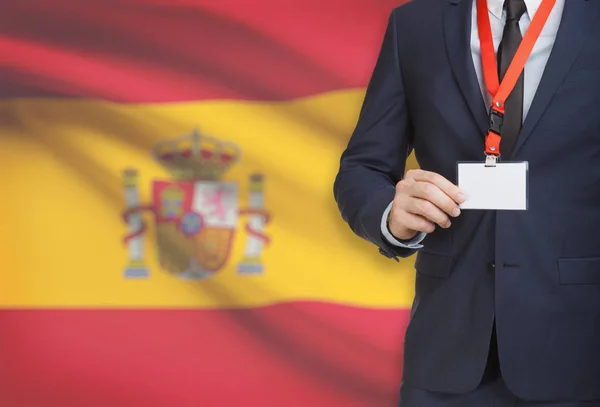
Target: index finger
x=442 y=183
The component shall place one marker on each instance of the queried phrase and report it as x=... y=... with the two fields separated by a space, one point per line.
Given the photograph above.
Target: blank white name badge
x=499 y=187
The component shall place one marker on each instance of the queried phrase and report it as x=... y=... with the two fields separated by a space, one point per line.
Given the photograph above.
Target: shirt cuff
x=413 y=243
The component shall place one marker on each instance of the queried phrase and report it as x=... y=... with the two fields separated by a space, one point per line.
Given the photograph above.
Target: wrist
x=402 y=235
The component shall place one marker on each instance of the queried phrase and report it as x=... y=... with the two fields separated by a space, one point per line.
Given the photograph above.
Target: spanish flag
x=169 y=236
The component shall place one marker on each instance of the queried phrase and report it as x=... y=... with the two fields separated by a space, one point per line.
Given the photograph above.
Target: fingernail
x=456 y=212
x=461 y=197
x=447 y=225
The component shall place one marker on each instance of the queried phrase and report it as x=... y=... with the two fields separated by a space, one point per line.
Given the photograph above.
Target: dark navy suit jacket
x=544 y=291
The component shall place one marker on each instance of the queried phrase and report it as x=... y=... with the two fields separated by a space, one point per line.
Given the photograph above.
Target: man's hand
x=423 y=199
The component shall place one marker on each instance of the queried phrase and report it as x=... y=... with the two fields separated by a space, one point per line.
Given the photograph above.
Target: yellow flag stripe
x=63 y=199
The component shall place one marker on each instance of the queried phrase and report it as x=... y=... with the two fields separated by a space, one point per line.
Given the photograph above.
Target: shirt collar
x=496 y=7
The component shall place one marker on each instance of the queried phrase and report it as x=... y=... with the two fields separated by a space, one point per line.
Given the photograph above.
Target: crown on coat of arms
x=196 y=157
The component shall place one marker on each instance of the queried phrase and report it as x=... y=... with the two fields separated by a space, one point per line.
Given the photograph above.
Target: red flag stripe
x=294 y=354
x=159 y=51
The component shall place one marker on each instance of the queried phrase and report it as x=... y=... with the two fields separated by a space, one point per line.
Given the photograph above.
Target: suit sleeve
x=375 y=158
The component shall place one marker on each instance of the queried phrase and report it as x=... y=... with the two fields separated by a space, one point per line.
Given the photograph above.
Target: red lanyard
x=501 y=91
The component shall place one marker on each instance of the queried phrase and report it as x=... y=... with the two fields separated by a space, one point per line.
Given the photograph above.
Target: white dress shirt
x=534 y=68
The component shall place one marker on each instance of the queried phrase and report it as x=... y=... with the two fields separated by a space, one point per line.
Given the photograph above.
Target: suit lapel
x=577 y=20
x=457 y=34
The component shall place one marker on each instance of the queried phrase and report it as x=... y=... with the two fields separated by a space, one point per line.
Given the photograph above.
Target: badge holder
x=501 y=186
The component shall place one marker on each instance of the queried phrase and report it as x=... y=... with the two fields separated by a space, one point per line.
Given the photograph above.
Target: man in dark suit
x=507 y=303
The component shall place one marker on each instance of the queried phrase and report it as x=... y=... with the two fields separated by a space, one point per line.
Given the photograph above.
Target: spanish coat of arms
x=196 y=212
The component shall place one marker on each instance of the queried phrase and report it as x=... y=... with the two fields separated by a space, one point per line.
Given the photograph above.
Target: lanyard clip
x=492 y=140
x=496 y=120
x=490 y=160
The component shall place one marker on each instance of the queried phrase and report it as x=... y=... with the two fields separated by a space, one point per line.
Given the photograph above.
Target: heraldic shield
x=195 y=225
x=196 y=213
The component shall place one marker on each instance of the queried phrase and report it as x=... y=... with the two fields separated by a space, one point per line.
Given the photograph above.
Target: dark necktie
x=513 y=107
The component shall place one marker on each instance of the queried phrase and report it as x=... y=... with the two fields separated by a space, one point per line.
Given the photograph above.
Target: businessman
x=507 y=303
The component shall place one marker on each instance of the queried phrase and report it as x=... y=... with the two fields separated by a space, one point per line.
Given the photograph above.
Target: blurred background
x=169 y=235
